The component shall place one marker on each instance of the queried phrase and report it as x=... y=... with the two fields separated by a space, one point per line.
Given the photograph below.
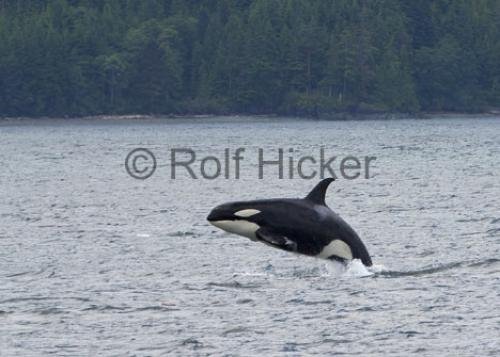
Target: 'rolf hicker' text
x=281 y=163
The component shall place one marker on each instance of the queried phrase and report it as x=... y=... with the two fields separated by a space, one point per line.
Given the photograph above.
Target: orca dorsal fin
x=317 y=195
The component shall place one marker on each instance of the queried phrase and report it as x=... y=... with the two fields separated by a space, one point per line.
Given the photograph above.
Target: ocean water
x=95 y=262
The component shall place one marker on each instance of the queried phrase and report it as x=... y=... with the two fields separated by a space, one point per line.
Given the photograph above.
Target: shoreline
x=332 y=117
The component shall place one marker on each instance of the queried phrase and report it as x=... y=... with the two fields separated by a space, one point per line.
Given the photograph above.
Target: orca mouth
x=211 y=217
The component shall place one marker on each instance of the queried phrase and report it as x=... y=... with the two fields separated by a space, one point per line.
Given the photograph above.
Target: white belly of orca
x=338 y=248
x=241 y=227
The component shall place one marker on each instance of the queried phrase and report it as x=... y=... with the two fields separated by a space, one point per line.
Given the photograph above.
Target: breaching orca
x=305 y=226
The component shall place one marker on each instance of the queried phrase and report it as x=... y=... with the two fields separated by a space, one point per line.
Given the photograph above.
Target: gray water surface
x=93 y=261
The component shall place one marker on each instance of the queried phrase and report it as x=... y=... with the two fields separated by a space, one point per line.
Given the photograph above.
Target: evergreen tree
x=306 y=57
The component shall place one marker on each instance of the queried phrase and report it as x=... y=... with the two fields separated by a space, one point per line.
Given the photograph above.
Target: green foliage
x=298 y=57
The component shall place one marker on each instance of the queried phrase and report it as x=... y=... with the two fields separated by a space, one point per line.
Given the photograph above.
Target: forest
x=286 y=57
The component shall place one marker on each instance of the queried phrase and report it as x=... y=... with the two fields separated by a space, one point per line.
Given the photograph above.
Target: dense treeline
x=84 y=57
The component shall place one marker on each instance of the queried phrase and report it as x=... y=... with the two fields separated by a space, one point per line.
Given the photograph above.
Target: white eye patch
x=246 y=212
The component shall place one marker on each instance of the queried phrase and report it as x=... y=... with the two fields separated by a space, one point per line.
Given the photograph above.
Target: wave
x=435 y=268
x=233 y=284
x=334 y=269
x=356 y=269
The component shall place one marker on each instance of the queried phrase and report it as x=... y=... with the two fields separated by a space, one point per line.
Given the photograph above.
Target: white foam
x=377 y=268
x=335 y=268
x=355 y=268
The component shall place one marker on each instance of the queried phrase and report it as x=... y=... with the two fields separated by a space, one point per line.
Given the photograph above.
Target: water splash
x=357 y=269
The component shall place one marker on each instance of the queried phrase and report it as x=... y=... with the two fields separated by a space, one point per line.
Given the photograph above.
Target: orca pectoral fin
x=276 y=240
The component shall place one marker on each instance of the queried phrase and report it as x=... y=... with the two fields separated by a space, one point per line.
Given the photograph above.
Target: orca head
x=236 y=217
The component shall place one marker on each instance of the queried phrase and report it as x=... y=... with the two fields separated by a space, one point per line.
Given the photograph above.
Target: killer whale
x=304 y=226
